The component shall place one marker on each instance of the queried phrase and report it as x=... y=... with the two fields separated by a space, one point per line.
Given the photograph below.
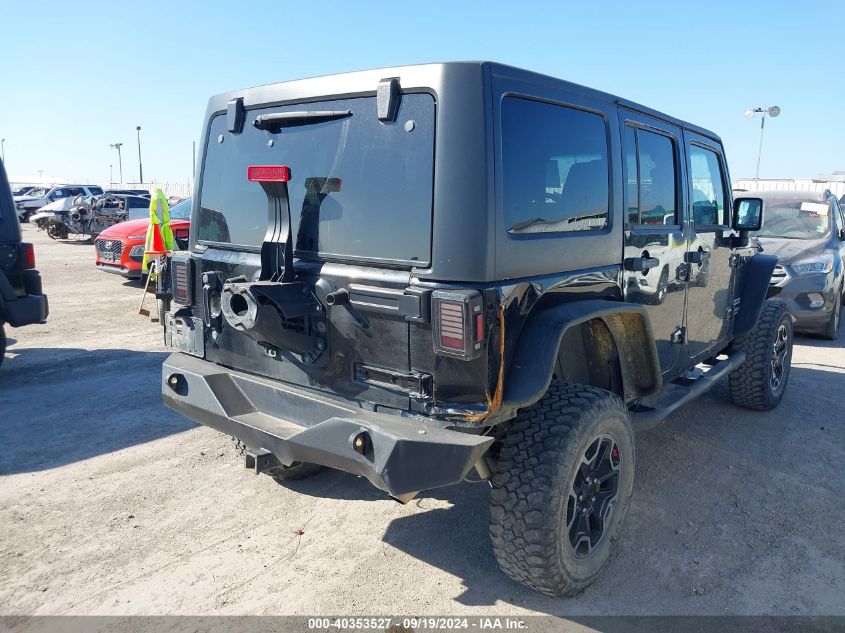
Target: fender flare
x=535 y=356
x=756 y=275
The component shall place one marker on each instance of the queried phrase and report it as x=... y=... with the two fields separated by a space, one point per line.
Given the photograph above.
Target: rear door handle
x=696 y=257
x=641 y=264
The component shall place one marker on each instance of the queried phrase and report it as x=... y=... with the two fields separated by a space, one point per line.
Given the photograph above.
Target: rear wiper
x=290 y=119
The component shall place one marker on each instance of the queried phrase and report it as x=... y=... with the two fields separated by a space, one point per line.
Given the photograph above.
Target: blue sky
x=75 y=77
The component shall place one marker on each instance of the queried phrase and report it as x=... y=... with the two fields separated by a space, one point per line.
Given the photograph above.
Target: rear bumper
x=403 y=454
x=25 y=310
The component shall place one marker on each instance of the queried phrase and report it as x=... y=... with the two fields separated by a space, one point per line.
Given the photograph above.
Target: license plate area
x=107 y=257
x=185 y=334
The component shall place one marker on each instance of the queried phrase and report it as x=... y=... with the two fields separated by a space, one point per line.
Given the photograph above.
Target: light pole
x=111 y=174
x=140 y=164
x=749 y=113
x=117 y=146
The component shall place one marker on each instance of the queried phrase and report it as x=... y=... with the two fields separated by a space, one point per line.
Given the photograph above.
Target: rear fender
x=536 y=355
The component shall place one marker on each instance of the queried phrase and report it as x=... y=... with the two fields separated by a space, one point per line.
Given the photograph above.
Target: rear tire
x=831 y=329
x=561 y=489
x=163 y=308
x=760 y=382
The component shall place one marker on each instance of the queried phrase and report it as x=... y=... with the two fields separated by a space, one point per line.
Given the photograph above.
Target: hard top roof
x=363 y=79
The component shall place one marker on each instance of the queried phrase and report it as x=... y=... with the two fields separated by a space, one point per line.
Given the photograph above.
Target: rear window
x=360 y=189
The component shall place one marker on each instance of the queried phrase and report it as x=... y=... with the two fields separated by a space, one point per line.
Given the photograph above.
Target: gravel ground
x=111 y=504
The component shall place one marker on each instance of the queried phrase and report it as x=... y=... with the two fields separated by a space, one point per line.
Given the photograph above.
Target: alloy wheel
x=592 y=495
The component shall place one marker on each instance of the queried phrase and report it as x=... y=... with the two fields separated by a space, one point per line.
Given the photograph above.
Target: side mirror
x=748 y=215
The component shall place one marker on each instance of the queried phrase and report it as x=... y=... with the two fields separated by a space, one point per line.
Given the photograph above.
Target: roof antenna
x=387 y=99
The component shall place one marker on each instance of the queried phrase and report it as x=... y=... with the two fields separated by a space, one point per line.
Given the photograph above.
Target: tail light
x=181 y=275
x=28 y=251
x=458 y=319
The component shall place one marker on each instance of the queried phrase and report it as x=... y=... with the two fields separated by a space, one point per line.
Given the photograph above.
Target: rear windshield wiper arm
x=290 y=119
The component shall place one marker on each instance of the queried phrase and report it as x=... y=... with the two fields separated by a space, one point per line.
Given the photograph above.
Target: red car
x=120 y=248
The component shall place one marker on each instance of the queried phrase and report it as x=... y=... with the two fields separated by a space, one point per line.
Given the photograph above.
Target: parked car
x=29 y=204
x=120 y=248
x=806 y=231
x=432 y=278
x=88 y=216
x=22 y=302
x=35 y=191
x=22 y=191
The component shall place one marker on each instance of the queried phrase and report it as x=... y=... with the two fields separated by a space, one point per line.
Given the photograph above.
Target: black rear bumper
x=25 y=310
x=403 y=454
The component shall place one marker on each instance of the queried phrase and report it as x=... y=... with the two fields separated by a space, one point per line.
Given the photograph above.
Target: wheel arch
x=756 y=275
x=609 y=338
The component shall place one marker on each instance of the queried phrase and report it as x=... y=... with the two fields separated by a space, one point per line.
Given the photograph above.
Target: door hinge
x=679 y=336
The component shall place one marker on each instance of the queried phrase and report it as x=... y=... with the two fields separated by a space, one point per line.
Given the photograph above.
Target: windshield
x=181 y=210
x=359 y=189
x=793 y=219
x=38 y=192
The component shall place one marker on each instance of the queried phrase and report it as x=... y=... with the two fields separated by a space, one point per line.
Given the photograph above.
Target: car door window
x=707 y=186
x=651 y=178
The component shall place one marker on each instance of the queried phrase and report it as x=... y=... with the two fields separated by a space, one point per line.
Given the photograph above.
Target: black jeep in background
x=21 y=299
x=411 y=272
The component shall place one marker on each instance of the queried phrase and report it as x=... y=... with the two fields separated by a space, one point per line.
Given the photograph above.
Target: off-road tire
x=751 y=384
x=297 y=470
x=163 y=306
x=539 y=458
x=831 y=328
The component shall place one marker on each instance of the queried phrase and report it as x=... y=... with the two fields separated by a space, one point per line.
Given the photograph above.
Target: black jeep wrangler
x=413 y=272
x=21 y=300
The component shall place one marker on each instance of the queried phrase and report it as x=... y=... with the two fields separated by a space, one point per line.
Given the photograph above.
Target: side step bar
x=680 y=394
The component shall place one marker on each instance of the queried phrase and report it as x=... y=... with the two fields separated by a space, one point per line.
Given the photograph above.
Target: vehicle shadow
x=59 y=406
x=693 y=534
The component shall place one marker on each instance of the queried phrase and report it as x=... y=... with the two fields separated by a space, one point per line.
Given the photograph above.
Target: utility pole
x=140 y=164
x=117 y=146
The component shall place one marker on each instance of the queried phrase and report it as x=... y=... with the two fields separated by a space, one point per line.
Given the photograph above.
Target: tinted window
x=555 y=168
x=651 y=177
x=708 y=187
x=96 y=191
x=359 y=188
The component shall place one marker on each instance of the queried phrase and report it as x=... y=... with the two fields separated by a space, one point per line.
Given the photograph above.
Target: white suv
x=27 y=205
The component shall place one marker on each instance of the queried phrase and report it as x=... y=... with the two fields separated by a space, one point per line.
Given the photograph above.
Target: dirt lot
x=111 y=504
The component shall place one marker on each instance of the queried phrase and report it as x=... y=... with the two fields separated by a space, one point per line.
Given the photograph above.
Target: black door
x=655 y=236
x=709 y=298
